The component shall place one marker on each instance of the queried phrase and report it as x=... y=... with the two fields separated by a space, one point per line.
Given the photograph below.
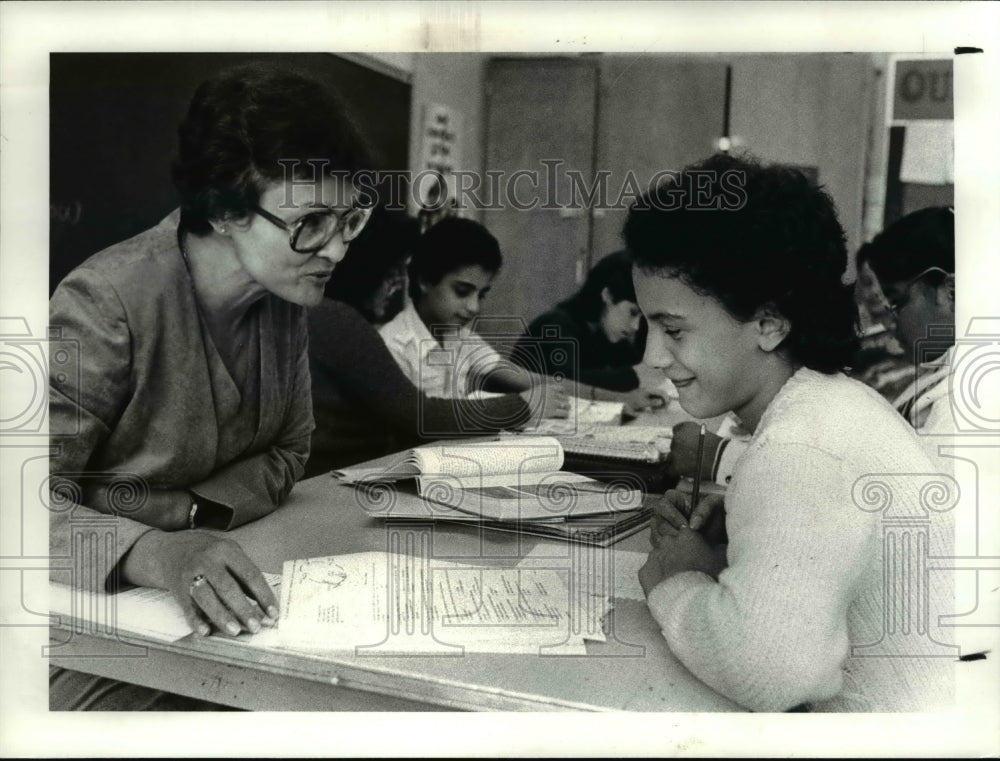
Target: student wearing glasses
x=192 y=406
x=914 y=262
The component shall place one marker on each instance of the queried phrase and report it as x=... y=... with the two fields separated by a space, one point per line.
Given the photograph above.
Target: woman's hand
x=672 y=513
x=547 y=400
x=683 y=458
x=685 y=551
x=210 y=577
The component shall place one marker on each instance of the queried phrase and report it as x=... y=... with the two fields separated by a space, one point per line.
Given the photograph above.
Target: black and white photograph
x=381 y=363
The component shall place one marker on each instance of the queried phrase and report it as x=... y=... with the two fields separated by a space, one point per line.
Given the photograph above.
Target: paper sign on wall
x=441 y=150
x=929 y=153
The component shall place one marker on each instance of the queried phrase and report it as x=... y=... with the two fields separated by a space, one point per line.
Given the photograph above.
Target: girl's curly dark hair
x=242 y=124
x=754 y=237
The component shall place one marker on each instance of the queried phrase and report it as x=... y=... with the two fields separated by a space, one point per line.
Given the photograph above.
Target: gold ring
x=196 y=582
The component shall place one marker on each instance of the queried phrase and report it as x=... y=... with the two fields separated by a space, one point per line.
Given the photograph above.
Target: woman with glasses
x=914 y=262
x=192 y=408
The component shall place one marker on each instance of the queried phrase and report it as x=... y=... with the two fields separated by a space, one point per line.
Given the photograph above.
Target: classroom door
x=540 y=125
x=657 y=113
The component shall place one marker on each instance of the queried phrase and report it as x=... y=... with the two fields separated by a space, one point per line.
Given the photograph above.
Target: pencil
x=695 y=492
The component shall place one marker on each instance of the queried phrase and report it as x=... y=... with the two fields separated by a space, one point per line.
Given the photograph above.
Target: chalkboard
x=113 y=132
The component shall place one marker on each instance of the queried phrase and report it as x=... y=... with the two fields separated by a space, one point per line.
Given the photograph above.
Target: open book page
x=552 y=497
x=389 y=468
x=589 y=412
x=496 y=460
x=581 y=411
x=470 y=463
x=514 y=478
x=151 y=613
x=384 y=603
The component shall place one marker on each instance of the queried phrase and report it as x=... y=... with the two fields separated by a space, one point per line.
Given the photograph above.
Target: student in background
x=604 y=322
x=372 y=277
x=451 y=272
x=364 y=405
x=747 y=314
x=913 y=261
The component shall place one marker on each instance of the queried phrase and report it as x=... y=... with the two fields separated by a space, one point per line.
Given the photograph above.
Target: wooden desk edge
x=334 y=678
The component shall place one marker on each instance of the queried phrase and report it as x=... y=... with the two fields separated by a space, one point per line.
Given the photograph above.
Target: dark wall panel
x=113 y=132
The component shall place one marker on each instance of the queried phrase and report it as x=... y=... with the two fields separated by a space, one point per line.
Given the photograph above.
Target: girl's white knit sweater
x=805 y=583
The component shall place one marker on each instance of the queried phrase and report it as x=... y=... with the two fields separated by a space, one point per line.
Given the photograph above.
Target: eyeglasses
x=895 y=306
x=313 y=231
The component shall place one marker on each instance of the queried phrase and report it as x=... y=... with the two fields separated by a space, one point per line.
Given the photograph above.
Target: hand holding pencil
x=693 y=505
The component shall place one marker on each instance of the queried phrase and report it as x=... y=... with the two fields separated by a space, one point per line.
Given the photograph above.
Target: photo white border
x=30 y=31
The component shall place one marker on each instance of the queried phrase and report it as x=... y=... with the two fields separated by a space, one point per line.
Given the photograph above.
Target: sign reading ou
x=923 y=90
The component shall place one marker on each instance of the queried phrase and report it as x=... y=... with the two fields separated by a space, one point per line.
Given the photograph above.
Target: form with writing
x=393 y=603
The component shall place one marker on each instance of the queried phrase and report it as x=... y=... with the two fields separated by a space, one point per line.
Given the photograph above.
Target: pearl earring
x=222 y=229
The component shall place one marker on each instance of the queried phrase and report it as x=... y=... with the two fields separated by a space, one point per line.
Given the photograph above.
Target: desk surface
x=633 y=670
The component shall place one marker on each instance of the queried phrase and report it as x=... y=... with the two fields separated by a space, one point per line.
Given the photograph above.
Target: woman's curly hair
x=754 y=237
x=246 y=127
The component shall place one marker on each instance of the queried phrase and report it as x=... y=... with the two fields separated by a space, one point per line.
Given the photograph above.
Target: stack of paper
x=634 y=443
x=511 y=480
x=387 y=604
x=144 y=611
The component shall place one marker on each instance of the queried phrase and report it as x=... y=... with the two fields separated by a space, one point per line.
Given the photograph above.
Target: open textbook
x=511 y=479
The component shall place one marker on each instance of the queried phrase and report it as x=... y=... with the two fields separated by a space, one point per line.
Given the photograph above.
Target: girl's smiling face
x=717 y=363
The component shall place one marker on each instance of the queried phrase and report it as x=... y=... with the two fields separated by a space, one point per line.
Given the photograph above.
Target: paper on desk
x=584 y=411
x=589 y=569
x=151 y=613
x=385 y=603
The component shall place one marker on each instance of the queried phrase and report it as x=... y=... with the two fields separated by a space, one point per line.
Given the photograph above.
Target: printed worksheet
x=379 y=602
